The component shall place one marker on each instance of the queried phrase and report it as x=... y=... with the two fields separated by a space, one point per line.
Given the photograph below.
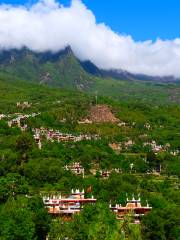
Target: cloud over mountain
x=47 y=25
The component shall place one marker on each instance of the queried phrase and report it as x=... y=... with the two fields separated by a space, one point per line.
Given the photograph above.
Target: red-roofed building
x=132 y=208
x=67 y=206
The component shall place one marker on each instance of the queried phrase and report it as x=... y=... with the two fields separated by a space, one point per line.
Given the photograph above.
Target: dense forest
x=147 y=134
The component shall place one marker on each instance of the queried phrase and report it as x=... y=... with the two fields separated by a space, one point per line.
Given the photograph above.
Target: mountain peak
x=62 y=68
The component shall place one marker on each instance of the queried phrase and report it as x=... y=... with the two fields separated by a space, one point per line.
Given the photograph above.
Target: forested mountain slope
x=64 y=70
x=146 y=134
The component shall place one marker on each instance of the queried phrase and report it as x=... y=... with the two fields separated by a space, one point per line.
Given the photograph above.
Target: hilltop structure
x=102 y=114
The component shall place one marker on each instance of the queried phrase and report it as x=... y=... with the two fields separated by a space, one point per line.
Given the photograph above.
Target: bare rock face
x=102 y=114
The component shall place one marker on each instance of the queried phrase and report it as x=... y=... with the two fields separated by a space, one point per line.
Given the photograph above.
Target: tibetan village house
x=132 y=208
x=67 y=206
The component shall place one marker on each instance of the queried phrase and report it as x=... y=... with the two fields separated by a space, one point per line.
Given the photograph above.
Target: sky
x=142 y=19
x=141 y=36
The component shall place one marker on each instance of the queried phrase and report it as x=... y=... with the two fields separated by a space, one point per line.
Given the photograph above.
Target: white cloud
x=47 y=25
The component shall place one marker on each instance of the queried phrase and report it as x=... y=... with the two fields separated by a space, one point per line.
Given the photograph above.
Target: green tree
x=153 y=227
x=11 y=185
x=16 y=220
x=40 y=217
x=24 y=144
x=60 y=230
x=96 y=222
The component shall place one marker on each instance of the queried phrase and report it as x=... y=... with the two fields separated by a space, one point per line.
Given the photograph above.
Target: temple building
x=67 y=206
x=133 y=208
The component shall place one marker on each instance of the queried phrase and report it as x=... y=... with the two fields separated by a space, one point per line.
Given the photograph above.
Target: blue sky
x=142 y=19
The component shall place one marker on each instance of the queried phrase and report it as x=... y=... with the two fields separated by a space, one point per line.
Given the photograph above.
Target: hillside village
x=98 y=114
x=99 y=150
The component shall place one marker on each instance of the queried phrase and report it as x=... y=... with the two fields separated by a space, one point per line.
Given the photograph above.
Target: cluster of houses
x=19 y=120
x=67 y=206
x=157 y=148
x=120 y=146
x=78 y=169
x=56 y=135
